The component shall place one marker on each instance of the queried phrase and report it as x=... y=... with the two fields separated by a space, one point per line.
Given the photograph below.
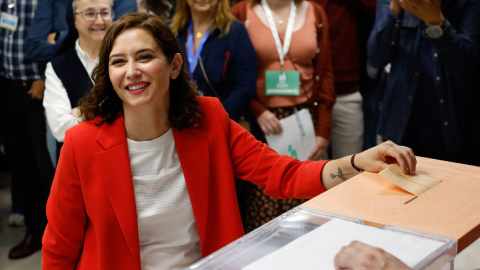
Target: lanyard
x=288 y=35
x=193 y=58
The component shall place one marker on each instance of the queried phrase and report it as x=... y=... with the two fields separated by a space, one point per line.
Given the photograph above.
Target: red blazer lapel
x=115 y=172
x=193 y=152
x=114 y=165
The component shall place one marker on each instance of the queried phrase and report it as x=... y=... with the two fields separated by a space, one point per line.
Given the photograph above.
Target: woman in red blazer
x=142 y=92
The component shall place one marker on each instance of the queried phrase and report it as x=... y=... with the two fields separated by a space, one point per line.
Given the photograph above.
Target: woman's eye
x=145 y=57
x=116 y=62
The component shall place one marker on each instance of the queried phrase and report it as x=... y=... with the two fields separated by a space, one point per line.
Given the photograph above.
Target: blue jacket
x=57 y=16
x=454 y=62
x=231 y=66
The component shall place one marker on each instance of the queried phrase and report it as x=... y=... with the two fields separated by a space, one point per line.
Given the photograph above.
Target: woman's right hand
x=76 y=112
x=51 y=38
x=269 y=123
x=381 y=156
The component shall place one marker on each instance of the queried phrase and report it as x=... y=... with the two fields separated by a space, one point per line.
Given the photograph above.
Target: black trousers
x=23 y=133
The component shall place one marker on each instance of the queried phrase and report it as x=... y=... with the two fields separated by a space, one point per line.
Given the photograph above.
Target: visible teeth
x=136 y=87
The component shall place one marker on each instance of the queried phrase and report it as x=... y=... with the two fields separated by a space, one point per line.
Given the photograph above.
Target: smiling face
x=202 y=6
x=94 y=31
x=140 y=72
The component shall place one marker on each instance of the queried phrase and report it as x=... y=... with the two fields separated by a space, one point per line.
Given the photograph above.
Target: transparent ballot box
x=306 y=238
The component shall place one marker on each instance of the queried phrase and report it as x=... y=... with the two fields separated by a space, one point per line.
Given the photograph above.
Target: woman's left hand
x=320 y=149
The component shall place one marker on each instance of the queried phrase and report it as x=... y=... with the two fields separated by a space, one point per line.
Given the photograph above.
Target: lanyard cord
x=288 y=35
x=193 y=58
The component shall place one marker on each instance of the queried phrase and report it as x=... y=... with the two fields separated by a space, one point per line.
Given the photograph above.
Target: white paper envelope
x=298 y=137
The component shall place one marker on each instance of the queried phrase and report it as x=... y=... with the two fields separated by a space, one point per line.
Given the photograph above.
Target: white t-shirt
x=166 y=225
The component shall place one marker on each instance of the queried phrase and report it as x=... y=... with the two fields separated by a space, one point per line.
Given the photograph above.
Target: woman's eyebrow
x=145 y=50
x=115 y=55
x=137 y=52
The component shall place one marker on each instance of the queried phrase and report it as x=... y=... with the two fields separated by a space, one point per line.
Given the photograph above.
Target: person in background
x=16 y=217
x=53 y=32
x=344 y=21
x=3 y=161
x=221 y=58
x=432 y=90
x=146 y=181
x=68 y=76
x=22 y=123
x=360 y=256
x=53 y=28
x=160 y=8
x=308 y=53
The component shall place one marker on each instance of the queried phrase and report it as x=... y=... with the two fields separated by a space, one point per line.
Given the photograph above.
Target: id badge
x=282 y=83
x=8 y=21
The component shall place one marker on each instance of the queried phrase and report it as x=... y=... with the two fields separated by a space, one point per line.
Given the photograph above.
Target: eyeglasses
x=91 y=15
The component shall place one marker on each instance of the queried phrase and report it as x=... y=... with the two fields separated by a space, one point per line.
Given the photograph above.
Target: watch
x=436 y=30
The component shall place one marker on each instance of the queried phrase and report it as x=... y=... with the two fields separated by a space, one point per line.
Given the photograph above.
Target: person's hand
x=360 y=256
x=381 y=156
x=36 y=91
x=429 y=11
x=396 y=7
x=51 y=38
x=269 y=123
x=320 y=149
x=76 y=112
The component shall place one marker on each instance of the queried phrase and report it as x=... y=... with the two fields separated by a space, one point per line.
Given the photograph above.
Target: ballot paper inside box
x=295 y=240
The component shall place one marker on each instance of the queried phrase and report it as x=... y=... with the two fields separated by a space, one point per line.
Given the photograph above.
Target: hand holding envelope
x=416 y=184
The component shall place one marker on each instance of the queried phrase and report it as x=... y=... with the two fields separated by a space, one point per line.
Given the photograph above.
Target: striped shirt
x=14 y=66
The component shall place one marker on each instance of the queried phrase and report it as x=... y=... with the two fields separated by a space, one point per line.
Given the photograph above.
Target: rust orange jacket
x=92 y=219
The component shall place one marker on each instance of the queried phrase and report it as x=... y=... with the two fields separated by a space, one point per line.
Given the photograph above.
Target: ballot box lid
x=450 y=209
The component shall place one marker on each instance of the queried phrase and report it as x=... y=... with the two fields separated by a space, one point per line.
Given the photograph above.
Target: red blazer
x=92 y=219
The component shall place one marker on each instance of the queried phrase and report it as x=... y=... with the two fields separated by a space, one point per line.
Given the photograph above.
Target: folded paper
x=416 y=184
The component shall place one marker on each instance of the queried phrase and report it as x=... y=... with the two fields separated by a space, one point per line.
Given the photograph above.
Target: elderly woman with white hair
x=68 y=76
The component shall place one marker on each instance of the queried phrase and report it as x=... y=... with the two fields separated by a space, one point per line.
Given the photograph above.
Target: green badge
x=283 y=83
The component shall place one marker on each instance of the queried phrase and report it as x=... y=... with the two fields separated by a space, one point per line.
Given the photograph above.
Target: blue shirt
x=432 y=83
x=14 y=66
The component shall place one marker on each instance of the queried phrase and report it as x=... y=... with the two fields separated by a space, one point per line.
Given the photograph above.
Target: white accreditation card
x=8 y=21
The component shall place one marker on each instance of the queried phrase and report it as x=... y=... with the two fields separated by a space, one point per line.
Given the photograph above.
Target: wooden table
x=450 y=209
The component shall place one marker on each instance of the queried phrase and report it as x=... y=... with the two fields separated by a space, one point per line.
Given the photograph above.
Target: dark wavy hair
x=103 y=101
